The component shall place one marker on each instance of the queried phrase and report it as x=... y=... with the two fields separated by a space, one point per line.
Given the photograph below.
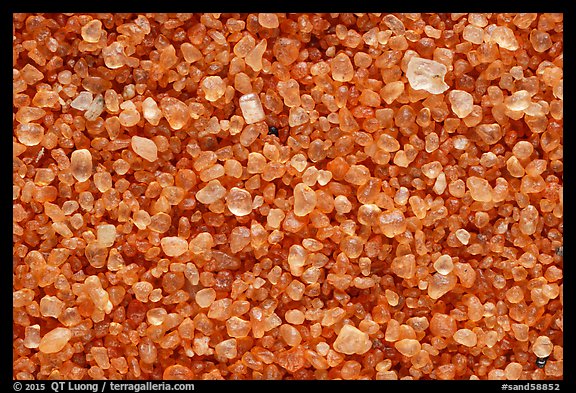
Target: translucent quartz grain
x=473 y=34
x=428 y=75
x=30 y=74
x=540 y=40
x=205 y=297
x=542 y=347
x=296 y=259
x=174 y=110
x=81 y=164
x=28 y=114
x=480 y=189
x=96 y=108
x=295 y=317
x=213 y=87
x=142 y=290
x=352 y=340
x=92 y=31
x=100 y=355
x=129 y=117
x=404 y=266
x=446 y=372
x=55 y=340
x=295 y=290
x=174 y=246
x=251 y=108
x=462 y=102
x=504 y=37
x=45 y=99
x=514 y=295
x=441 y=284
x=32 y=336
x=394 y=24
x=254 y=57
x=342 y=204
x=256 y=163
x=151 y=112
x=352 y=246
x=466 y=337
x=342 y=68
x=440 y=184
x=392 y=223
x=82 y=101
x=290 y=335
x=520 y=331
x=391 y=91
x=145 y=148
x=524 y=20
x=290 y=91
x=489 y=133
x=168 y=57
x=463 y=235
x=190 y=53
x=244 y=46
x=304 y=200
x=239 y=238
x=99 y=297
x=22 y=297
x=285 y=50
x=159 y=222
x=239 y=201
x=204 y=161
x=460 y=142
x=226 y=349
x=210 y=193
x=51 y=306
x=408 y=347
x=444 y=264
x=513 y=371
x=106 y=235
x=299 y=162
x=514 y=167
x=156 y=316
x=442 y=325
x=488 y=160
x=324 y=177
x=522 y=149
x=388 y=143
x=392 y=297
x=297 y=116
x=536 y=167
x=103 y=181
x=370 y=98
x=237 y=327
x=268 y=20
x=201 y=243
x=357 y=175
x=528 y=221
x=432 y=169
x=115 y=260
x=518 y=101
x=177 y=372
